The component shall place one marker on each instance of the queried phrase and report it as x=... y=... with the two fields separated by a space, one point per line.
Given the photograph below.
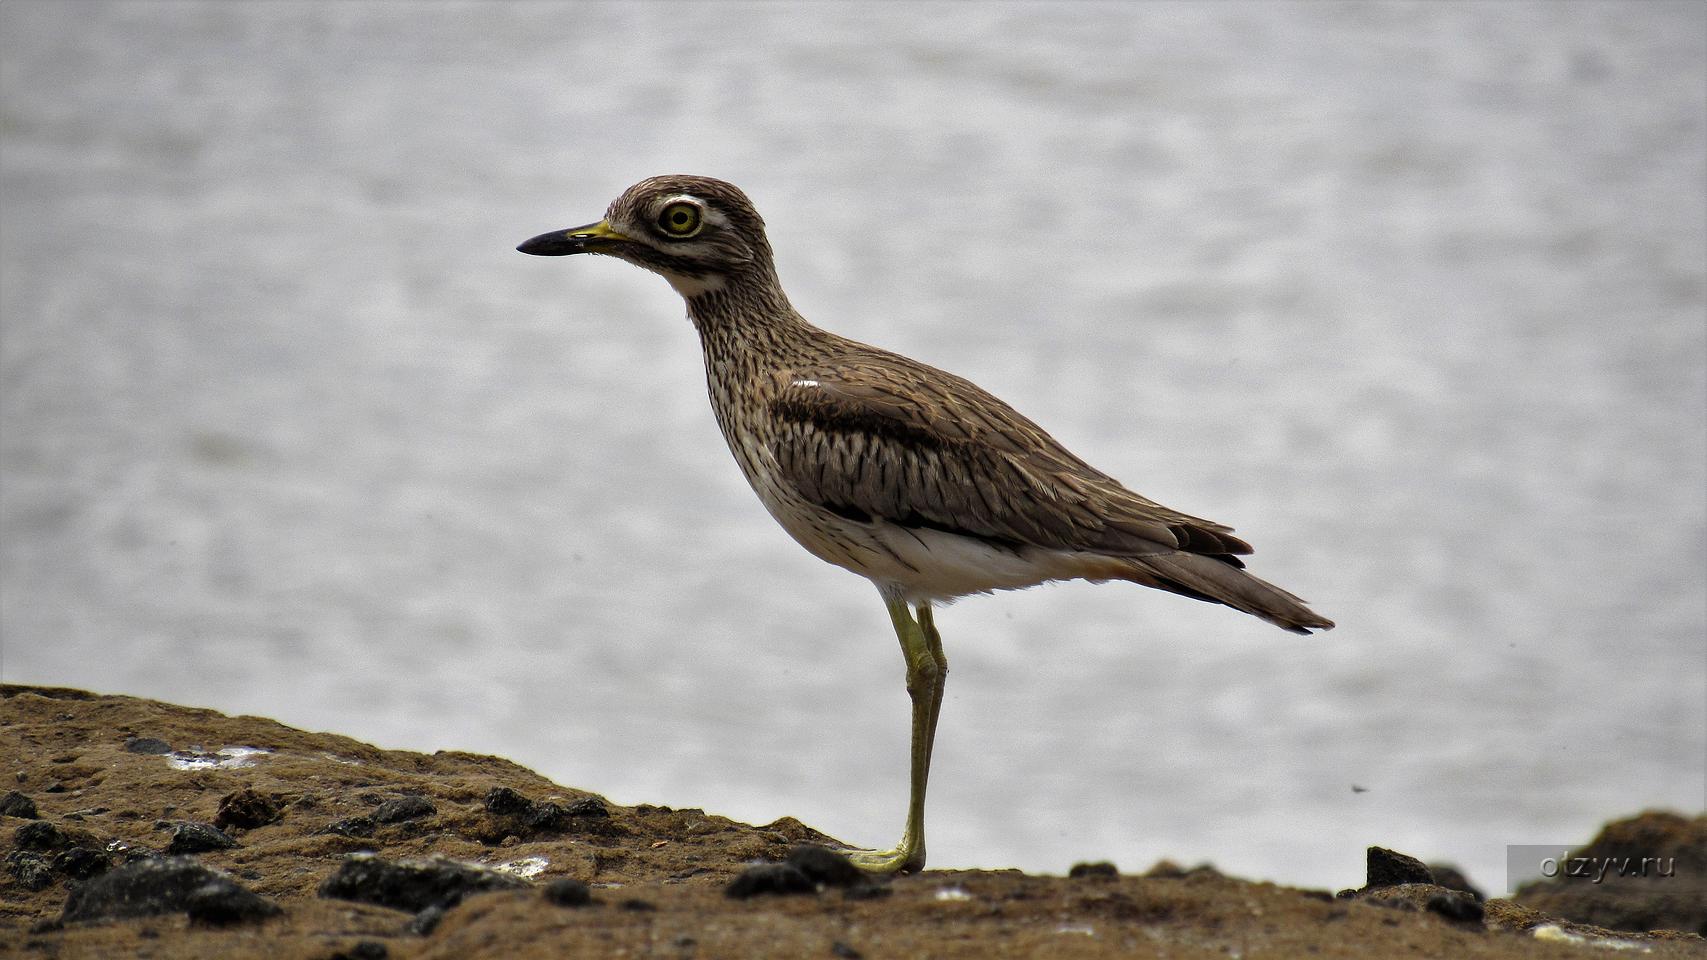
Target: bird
x=916 y=479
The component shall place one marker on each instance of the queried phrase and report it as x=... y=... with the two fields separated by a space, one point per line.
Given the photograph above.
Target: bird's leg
x=927 y=623
x=922 y=649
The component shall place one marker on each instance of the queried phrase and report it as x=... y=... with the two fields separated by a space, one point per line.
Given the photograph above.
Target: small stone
x=32 y=870
x=1388 y=868
x=80 y=863
x=545 y=818
x=638 y=905
x=15 y=804
x=149 y=745
x=1101 y=870
x=504 y=802
x=164 y=885
x=194 y=837
x=425 y=922
x=246 y=810
x=358 y=827
x=1169 y=870
x=1452 y=878
x=568 y=892
x=130 y=854
x=779 y=878
x=363 y=950
x=410 y=807
x=588 y=807
x=40 y=835
x=840 y=949
x=1457 y=906
x=412 y=885
x=824 y=866
x=223 y=904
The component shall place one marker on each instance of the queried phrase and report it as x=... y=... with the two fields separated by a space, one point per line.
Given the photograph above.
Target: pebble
x=80 y=863
x=1387 y=868
x=588 y=807
x=762 y=878
x=147 y=745
x=246 y=809
x=194 y=837
x=410 y=807
x=165 y=885
x=425 y=922
x=32 y=870
x=358 y=827
x=363 y=950
x=568 y=892
x=824 y=866
x=505 y=802
x=15 y=804
x=223 y=903
x=412 y=885
x=40 y=835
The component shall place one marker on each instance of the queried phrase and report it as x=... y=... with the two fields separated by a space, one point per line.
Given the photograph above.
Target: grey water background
x=1411 y=294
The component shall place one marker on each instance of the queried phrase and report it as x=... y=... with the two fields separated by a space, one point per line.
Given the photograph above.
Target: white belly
x=926 y=565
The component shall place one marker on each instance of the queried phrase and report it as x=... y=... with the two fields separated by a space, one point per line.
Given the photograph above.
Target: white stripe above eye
x=710 y=215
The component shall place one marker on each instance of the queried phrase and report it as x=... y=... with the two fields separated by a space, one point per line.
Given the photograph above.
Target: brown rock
x=246 y=809
x=1647 y=872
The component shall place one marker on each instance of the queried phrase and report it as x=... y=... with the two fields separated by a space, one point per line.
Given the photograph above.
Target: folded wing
x=867 y=441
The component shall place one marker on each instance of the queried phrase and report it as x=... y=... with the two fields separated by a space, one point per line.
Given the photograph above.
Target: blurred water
x=1411 y=294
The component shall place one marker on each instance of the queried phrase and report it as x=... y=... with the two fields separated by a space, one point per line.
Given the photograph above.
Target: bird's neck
x=750 y=316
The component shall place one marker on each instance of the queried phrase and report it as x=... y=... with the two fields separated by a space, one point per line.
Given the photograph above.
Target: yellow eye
x=679 y=220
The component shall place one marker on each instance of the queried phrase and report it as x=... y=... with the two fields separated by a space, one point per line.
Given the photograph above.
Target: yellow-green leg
x=927 y=672
x=927 y=623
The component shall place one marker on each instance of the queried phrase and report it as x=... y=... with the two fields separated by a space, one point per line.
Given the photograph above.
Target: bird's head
x=698 y=233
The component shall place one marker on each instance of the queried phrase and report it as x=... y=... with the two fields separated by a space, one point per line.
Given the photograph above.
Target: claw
x=896 y=861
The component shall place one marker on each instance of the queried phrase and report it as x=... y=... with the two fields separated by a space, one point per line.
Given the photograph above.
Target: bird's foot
x=907 y=858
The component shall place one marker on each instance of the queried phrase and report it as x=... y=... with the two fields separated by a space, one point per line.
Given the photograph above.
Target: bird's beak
x=592 y=238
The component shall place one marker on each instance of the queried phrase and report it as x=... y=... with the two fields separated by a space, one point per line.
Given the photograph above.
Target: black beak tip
x=554 y=244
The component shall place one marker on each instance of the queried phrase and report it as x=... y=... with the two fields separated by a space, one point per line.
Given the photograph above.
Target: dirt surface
x=133 y=828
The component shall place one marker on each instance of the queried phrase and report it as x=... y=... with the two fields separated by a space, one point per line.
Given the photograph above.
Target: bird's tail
x=1208 y=578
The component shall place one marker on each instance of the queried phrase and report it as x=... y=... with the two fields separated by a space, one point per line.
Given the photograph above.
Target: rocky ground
x=133 y=828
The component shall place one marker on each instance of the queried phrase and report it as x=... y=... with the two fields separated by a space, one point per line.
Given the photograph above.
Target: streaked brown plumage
x=910 y=476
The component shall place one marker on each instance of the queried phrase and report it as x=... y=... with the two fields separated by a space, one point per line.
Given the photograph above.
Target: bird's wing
x=875 y=438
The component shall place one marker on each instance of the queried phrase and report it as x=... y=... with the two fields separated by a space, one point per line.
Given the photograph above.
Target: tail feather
x=1210 y=578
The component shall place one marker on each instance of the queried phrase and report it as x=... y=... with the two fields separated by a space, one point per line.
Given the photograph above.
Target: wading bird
x=916 y=479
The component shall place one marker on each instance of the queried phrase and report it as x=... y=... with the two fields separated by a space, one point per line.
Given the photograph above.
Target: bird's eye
x=679 y=220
